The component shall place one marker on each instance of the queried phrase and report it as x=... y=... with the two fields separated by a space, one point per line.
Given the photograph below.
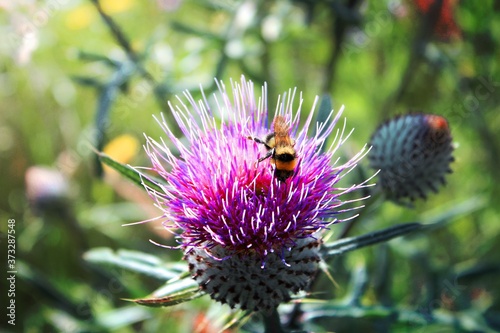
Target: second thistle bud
x=413 y=153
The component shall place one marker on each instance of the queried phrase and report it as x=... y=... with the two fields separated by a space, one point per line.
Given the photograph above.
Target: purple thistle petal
x=218 y=195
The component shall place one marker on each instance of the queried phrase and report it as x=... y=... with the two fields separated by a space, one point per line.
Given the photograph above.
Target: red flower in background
x=446 y=27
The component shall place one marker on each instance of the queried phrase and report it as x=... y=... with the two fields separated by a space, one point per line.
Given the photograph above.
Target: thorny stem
x=116 y=31
x=122 y=40
x=422 y=38
x=349 y=244
x=345 y=16
x=272 y=322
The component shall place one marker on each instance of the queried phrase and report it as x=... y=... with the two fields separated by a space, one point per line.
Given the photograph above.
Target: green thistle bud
x=413 y=153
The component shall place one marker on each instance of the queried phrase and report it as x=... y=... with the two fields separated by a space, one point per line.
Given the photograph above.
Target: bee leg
x=256 y=140
x=269 y=154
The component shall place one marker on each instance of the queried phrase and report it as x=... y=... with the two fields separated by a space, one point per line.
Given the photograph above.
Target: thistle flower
x=47 y=190
x=413 y=153
x=250 y=239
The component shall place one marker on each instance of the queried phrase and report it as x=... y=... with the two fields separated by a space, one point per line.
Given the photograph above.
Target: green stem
x=353 y=243
x=272 y=323
x=417 y=51
x=124 y=43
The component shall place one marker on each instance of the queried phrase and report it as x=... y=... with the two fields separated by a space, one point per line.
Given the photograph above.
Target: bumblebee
x=280 y=149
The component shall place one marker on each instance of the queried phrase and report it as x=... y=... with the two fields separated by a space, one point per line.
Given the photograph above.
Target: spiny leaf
x=445 y=214
x=107 y=97
x=132 y=174
x=463 y=321
x=181 y=27
x=87 y=56
x=122 y=317
x=168 y=300
x=345 y=245
x=139 y=262
x=87 y=81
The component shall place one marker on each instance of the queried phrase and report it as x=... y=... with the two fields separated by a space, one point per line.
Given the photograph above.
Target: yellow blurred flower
x=116 y=6
x=123 y=149
x=82 y=16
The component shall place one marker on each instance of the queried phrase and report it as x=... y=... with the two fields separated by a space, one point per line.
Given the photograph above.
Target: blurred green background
x=75 y=75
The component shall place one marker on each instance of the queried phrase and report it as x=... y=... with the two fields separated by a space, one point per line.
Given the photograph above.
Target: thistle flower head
x=47 y=189
x=413 y=153
x=250 y=238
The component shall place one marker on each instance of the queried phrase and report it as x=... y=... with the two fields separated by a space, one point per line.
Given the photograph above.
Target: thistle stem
x=272 y=323
x=125 y=44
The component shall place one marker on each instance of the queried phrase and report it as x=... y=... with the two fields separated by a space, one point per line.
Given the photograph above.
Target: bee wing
x=282 y=132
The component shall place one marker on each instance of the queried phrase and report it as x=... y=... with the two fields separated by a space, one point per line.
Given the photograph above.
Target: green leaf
x=175 y=287
x=168 y=300
x=107 y=97
x=345 y=245
x=172 y=293
x=94 y=57
x=464 y=321
x=43 y=289
x=176 y=291
x=87 y=81
x=443 y=215
x=181 y=288
x=135 y=176
x=184 y=28
x=123 y=317
x=139 y=262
